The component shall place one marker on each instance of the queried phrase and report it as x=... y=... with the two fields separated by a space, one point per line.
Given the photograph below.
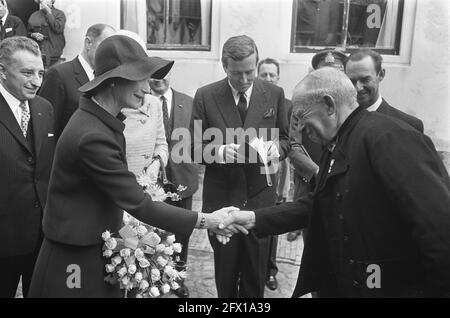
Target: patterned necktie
x=242 y=106
x=25 y=118
x=167 y=124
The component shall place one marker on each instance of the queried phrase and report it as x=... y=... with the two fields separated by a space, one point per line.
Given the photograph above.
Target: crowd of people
x=371 y=194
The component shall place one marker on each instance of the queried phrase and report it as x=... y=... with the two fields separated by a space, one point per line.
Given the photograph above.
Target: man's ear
x=330 y=104
x=87 y=42
x=381 y=74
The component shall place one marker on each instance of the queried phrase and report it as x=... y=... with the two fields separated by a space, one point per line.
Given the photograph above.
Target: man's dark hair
x=363 y=53
x=238 y=48
x=17 y=43
x=269 y=61
x=94 y=31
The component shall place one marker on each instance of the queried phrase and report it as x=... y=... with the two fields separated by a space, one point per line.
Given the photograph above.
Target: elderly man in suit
x=177 y=111
x=10 y=25
x=61 y=82
x=378 y=219
x=232 y=107
x=26 y=155
x=365 y=70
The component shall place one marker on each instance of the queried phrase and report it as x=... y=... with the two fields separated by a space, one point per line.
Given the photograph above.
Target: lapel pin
x=181 y=106
x=331 y=165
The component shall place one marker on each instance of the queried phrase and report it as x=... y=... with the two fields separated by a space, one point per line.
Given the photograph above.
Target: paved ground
x=200 y=279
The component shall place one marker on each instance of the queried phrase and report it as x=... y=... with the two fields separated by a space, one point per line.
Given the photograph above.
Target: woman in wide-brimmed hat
x=90 y=184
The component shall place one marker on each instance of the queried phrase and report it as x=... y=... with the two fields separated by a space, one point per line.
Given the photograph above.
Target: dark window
x=170 y=24
x=319 y=24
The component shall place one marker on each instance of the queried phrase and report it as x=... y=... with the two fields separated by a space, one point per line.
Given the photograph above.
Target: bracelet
x=202 y=221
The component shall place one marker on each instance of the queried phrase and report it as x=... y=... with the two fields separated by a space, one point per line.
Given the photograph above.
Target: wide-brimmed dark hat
x=121 y=56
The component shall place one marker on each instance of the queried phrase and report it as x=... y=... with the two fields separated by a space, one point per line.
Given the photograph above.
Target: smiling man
x=365 y=70
x=26 y=154
x=239 y=101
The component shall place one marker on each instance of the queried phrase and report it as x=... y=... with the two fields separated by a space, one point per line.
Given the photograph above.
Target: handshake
x=226 y=222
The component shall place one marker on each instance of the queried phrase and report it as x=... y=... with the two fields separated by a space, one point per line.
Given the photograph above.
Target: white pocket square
x=50 y=135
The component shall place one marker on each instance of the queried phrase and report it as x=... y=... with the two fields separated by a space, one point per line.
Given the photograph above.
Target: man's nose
x=146 y=87
x=36 y=80
x=359 y=86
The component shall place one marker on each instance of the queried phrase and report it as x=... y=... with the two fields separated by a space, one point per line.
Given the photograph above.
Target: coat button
x=338 y=196
x=244 y=203
x=346 y=238
x=36 y=204
x=351 y=261
x=355 y=283
x=30 y=159
x=341 y=217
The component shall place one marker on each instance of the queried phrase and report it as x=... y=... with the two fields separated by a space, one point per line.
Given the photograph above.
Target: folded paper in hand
x=257 y=151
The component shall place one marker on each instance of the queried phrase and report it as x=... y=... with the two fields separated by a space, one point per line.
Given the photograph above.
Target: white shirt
x=4 y=18
x=86 y=67
x=236 y=95
x=374 y=106
x=13 y=103
x=169 y=96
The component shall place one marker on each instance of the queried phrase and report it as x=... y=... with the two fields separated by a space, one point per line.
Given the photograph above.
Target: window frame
x=405 y=41
x=178 y=47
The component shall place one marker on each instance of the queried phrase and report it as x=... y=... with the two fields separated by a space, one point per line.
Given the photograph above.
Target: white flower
x=143 y=285
x=107 y=253
x=125 y=280
x=170 y=239
x=181 y=188
x=110 y=268
x=177 y=247
x=182 y=274
x=160 y=248
x=165 y=288
x=132 y=269
x=138 y=253
x=106 y=235
x=156 y=192
x=153 y=239
x=125 y=252
x=138 y=277
x=154 y=291
x=142 y=230
x=116 y=260
x=144 y=263
x=174 y=285
x=161 y=261
x=144 y=179
x=155 y=274
x=111 y=243
x=168 y=250
x=139 y=295
x=122 y=271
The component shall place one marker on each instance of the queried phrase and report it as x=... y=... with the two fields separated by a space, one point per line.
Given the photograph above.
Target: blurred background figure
x=269 y=71
x=61 y=82
x=177 y=109
x=10 y=25
x=46 y=27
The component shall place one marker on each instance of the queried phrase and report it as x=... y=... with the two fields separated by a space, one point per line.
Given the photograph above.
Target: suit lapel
x=79 y=73
x=39 y=131
x=10 y=122
x=257 y=105
x=227 y=106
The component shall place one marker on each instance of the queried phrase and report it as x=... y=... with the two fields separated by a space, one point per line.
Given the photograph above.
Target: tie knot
x=163 y=98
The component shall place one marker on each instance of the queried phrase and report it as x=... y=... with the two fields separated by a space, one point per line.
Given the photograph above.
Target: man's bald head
x=322 y=101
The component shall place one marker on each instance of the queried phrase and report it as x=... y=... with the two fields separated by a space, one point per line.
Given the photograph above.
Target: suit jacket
x=183 y=173
x=91 y=185
x=13 y=27
x=237 y=184
x=390 y=111
x=60 y=87
x=144 y=135
x=24 y=177
x=375 y=204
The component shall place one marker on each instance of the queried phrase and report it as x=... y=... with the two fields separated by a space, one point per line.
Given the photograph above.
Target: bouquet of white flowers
x=141 y=259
